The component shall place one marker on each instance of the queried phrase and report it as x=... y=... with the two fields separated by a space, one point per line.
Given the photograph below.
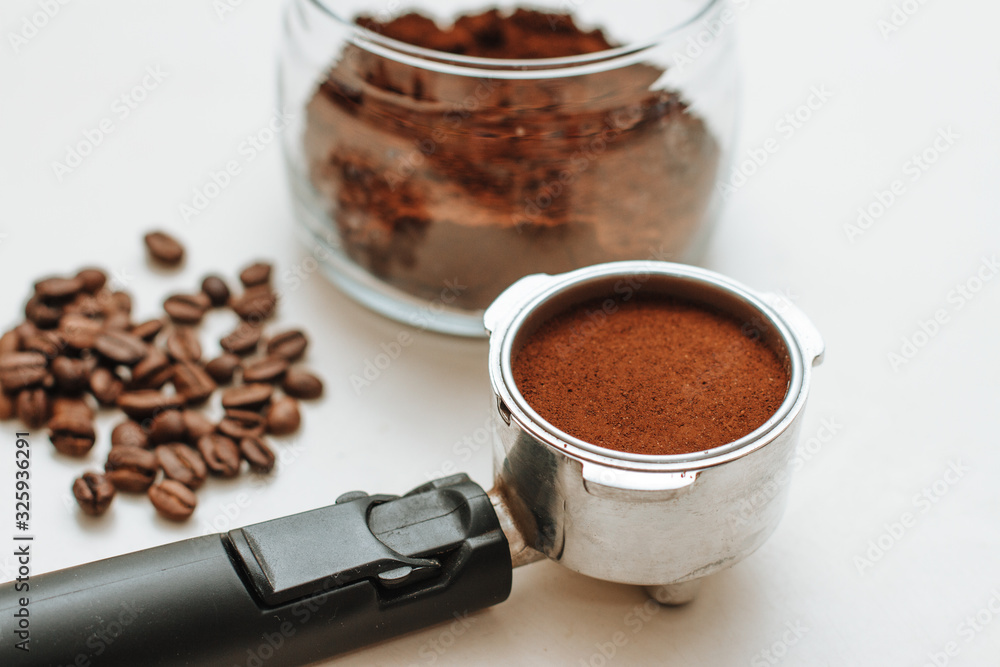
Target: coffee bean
x=216 y=289
x=302 y=384
x=183 y=344
x=256 y=304
x=48 y=343
x=258 y=273
x=258 y=454
x=154 y=363
x=41 y=313
x=221 y=369
x=196 y=424
x=243 y=340
x=56 y=289
x=105 y=386
x=186 y=308
x=121 y=347
x=119 y=302
x=94 y=493
x=131 y=469
x=268 y=369
x=164 y=248
x=192 y=383
x=222 y=456
x=246 y=397
x=242 y=424
x=148 y=330
x=72 y=375
x=167 y=426
x=25 y=329
x=153 y=382
x=7 y=407
x=22 y=369
x=91 y=280
x=173 y=500
x=10 y=342
x=145 y=403
x=86 y=305
x=183 y=464
x=129 y=434
x=283 y=417
x=65 y=406
x=33 y=407
x=71 y=433
x=79 y=331
x=289 y=344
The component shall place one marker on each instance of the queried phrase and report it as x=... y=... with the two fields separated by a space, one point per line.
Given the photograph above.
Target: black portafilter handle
x=290 y=591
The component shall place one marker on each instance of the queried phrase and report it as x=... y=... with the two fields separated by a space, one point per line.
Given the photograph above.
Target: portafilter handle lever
x=289 y=591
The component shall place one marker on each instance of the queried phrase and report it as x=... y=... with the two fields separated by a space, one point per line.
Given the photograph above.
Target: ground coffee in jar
x=655 y=376
x=436 y=180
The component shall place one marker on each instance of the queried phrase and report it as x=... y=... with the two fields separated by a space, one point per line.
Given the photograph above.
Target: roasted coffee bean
x=25 y=329
x=148 y=330
x=10 y=342
x=105 y=386
x=258 y=454
x=216 y=289
x=302 y=384
x=173 y=500
x=71 y=433
x=247 y=396
x=91 y=280
x=153 y=363
x=182 y=463
x=146 y=403
x=167 y=426
x=283 y=417
x=242 y=424
x=84 y=304
x=72 y=375
x=258 y=273
x=48 y=343
x=222 y=456
x=243 y=340
x=183 y=344
x=57 y=289
x=22 y=369
x=94 y=493
x=131 y=469
x=186 y=308
x=7 y=407
x=222 y=369
x=79 y=331
x=268 y=369
x=256 y=304
x=164 y=249
x=290 y=345
x=192 y=383
x=121 y=347
x=129 y=434
x=156 y=381
x=41 y=313
x=119 y=302
x=117 y=321
x=33 y=407
x=65 y=406
x=196 y=424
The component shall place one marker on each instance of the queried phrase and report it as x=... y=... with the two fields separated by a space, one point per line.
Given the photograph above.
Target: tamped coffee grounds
x=434 y=179
x=657 y=376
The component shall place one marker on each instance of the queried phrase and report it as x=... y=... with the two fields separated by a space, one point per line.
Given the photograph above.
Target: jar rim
x=452 y=63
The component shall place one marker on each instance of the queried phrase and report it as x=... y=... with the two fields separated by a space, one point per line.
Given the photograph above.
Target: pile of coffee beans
x=78 y=349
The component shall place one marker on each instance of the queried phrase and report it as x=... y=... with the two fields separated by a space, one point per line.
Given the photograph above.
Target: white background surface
x=899 y=431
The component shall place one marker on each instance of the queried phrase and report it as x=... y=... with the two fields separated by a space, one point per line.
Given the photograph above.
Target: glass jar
x=432 y=180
